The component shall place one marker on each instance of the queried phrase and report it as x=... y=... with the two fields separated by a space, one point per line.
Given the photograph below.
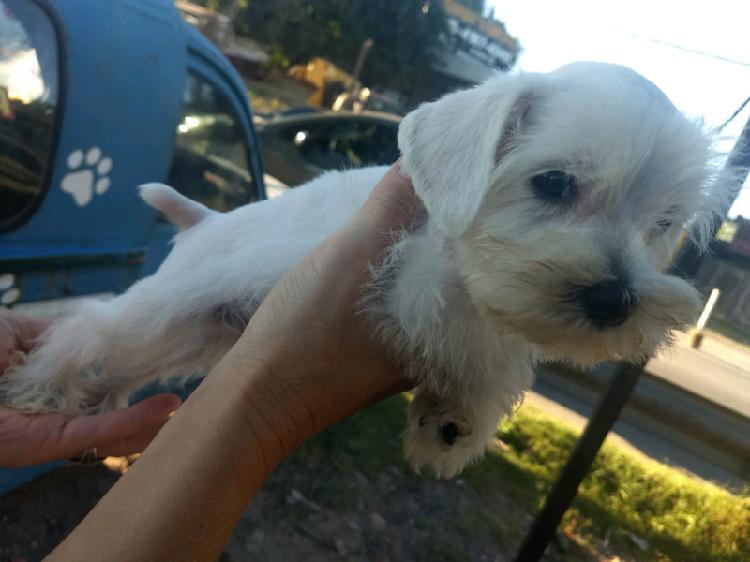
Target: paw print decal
x=9 y=293
x=87 y=174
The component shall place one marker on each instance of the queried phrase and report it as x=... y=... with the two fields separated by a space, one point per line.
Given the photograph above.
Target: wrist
x=263 y=404
x=294 y=397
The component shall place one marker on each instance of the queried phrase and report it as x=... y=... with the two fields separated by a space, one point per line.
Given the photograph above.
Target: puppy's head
x=565 y=196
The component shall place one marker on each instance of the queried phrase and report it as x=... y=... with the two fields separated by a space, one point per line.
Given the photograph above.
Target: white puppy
x=554 y=204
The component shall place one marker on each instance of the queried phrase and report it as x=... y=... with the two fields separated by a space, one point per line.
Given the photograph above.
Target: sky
x=697 y=52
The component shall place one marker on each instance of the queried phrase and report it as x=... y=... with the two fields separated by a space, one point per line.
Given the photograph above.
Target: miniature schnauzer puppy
x=554 y=204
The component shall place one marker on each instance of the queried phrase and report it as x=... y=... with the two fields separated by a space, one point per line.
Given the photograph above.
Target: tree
x=407 y=35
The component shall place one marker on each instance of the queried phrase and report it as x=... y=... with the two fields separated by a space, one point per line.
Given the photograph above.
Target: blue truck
x=97 y=97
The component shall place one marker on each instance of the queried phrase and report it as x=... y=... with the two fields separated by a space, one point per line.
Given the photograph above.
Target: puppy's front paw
x=440 y=435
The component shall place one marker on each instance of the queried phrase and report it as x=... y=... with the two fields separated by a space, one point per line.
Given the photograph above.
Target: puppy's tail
x=181 y=211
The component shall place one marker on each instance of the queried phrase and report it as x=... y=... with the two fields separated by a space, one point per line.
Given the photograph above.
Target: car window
x=210 y=162
x=29 y=90
x=376 y=144
x=345 y=144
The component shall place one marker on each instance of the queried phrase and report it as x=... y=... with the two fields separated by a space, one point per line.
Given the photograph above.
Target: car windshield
x=350 y=143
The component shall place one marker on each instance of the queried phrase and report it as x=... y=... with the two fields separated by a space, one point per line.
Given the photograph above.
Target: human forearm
x=306 y=360
x=181 y=499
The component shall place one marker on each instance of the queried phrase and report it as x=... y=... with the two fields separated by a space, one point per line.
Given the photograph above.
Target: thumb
x=392 y=205
x=107 y=431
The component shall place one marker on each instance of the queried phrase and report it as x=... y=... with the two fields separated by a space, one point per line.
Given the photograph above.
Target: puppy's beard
x=530 y=296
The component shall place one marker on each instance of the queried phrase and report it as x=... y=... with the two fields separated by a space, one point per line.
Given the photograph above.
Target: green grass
x=682 y=518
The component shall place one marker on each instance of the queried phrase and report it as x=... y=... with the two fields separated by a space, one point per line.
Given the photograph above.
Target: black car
x=298 y=147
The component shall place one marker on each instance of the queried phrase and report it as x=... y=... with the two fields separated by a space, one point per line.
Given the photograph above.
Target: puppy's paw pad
x=441 y=439
x=449 y=433
x=445 y=461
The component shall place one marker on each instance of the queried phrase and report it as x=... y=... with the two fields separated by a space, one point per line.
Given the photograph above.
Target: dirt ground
x=38 y=515
x=380 y=519
x=345 y=496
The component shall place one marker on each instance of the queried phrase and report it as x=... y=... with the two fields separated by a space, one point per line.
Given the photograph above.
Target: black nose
x=609 y=303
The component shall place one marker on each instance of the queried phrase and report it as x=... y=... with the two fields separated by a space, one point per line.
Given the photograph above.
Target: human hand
x=306 y=359
x=317 y=350
x=27 y=439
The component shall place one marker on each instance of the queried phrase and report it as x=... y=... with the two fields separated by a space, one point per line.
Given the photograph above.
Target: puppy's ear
x=450 y=147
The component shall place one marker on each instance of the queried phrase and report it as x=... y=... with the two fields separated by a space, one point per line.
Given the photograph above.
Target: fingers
x=130 y=445
x=393 y=204
x=123 y=431
x=18 y=332
x=391 y=208
x=30 y=330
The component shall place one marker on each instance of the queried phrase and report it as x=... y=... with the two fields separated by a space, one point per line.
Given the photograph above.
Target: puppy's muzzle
x=607 y=304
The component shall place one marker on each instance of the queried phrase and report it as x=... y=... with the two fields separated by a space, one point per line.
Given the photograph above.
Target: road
x=724 y=382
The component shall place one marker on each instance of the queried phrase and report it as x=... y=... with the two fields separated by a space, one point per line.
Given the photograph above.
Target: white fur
x=472 y=299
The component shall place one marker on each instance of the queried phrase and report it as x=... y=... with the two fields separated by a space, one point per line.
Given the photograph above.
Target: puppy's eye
x=554 y=185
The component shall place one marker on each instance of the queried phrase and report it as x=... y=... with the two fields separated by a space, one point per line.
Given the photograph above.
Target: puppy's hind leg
x=91 y=361
x=63 y=372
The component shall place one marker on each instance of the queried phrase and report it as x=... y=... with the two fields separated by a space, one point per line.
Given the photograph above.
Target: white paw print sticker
x=88 y=174
x=9 y=293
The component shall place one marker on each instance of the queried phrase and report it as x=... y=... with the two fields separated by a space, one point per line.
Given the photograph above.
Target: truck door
x=91 y=93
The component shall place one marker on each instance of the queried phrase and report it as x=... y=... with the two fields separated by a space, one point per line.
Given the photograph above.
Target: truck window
x=210 y=162
x=29 y=85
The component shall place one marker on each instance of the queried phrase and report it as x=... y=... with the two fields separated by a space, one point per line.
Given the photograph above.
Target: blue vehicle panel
x=126 y=64
x=122 y=69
